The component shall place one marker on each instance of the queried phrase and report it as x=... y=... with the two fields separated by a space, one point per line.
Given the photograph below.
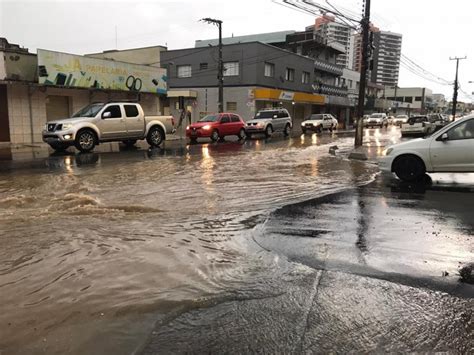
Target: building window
x=269 y=70
x=408 y=99
x=231 y=106
x=183 y=71
x=349 y=83
x=231 y=69
x=418 y=98
x=290 y=74
x=203 y=66
x=305 y=78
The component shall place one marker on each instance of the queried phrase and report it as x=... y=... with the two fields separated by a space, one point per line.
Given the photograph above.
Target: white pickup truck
x=107 y=122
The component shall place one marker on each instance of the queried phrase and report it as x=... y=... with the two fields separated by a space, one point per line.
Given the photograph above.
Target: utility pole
x=220 y=74
x=456 y=85
x=365 y=22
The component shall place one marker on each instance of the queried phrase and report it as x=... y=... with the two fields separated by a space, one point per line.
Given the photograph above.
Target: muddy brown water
x=95 y=252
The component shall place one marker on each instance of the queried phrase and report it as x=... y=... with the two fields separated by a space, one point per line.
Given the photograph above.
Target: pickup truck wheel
x=59 y=146
x=287 y=130
x=85 y=140
x=241 y=134
x=268 y=131
x=215 y=135
x=130 y=142
x=155 y=136
x=409 y=168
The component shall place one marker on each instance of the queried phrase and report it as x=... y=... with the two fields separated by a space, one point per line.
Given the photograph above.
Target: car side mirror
x=107 y=114
x=444 y=137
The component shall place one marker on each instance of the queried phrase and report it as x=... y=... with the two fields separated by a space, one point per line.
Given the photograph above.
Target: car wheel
x=319 y=129
x=155 y=136
x=268 y=131
x=59 y=146
x=287 y=130
x=130 y=142
x=409 y=168
x=215 y=135
x=303 y=130
x=241 y=134
x=85 y=140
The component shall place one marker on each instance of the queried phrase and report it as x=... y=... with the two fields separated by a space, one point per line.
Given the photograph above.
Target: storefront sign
x=287 y=95
x=61 y=69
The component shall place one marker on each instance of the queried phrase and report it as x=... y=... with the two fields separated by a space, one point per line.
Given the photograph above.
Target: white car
x=377 y=119
x=318 y=122
x=417 y=126
x=400 y=119
x=451 y=149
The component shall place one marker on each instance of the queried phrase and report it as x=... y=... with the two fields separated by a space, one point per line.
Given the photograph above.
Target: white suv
x=451 y=149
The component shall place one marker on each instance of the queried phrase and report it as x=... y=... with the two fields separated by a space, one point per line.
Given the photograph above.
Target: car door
x=134 y=121
x=225 y=126
x=112 y=123
x=454 y=149
x=236 y=124
x=277 y=120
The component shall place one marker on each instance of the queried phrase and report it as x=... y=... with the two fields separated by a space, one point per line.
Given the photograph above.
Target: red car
x=217 y=126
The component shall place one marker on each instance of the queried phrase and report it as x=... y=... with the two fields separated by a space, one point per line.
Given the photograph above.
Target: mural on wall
x=62 y=69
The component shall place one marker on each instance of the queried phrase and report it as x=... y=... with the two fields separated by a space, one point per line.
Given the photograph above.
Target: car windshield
x=315 y=117
x=89 y=111
x=265 y=114
x=417 y=119
x=376 y=115
x=209 y=118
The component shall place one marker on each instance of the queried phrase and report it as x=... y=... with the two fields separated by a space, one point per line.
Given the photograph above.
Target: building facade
x=327 y=27
x=37 y=88
x=256 y=76
x=386 y=58
x=410 y=100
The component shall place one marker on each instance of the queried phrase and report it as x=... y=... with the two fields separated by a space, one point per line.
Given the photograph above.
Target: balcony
x=331 y=90
x=327 y=67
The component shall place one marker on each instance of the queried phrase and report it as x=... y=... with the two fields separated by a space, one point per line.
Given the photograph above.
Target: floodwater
x=96 y=248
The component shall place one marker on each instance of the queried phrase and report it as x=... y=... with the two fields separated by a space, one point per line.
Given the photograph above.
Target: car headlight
x=206 y=127
x=388 y=151
x=67 y=126
x=259 y=125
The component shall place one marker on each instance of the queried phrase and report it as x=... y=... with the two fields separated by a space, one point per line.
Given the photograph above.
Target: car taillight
x=172 y=121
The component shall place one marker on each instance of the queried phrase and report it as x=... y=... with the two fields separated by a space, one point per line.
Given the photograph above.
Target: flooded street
x=99 y=250
x=94 y=246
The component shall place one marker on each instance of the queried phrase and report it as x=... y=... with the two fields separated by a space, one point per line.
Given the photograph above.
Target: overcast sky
x=433 y=30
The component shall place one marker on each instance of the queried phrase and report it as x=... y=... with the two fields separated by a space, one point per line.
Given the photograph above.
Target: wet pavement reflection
x=99 y=249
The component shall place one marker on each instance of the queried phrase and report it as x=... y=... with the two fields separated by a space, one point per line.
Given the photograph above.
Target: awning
x=282 y=95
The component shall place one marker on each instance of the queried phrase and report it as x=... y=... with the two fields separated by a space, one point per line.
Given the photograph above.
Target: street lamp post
x=220 y=74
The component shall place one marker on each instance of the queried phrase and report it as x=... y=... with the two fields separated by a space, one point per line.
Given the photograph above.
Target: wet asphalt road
x=268 y=246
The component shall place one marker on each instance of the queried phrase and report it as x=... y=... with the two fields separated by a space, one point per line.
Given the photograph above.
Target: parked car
x=217 y=126
x=107 y=122
x=318 y=122
x=269 y=121
x=451 y=149
x=417 y=126
x=400 y=119
x=437 y=121
x=377 y=120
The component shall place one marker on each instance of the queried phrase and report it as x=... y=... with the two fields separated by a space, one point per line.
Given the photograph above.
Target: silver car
x=269 y=121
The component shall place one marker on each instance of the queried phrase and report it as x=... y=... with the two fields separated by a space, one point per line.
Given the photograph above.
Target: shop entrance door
x=4 y=122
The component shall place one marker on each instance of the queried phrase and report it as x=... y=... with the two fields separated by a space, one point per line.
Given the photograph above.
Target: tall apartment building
x=385 y=57
x=327 y=27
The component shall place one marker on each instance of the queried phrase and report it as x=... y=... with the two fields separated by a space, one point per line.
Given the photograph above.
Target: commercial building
x=410 y=100
x=256 y=76
x=37 y=88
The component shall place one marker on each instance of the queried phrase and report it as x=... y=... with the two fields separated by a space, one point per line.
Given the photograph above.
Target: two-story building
x=256 y=76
